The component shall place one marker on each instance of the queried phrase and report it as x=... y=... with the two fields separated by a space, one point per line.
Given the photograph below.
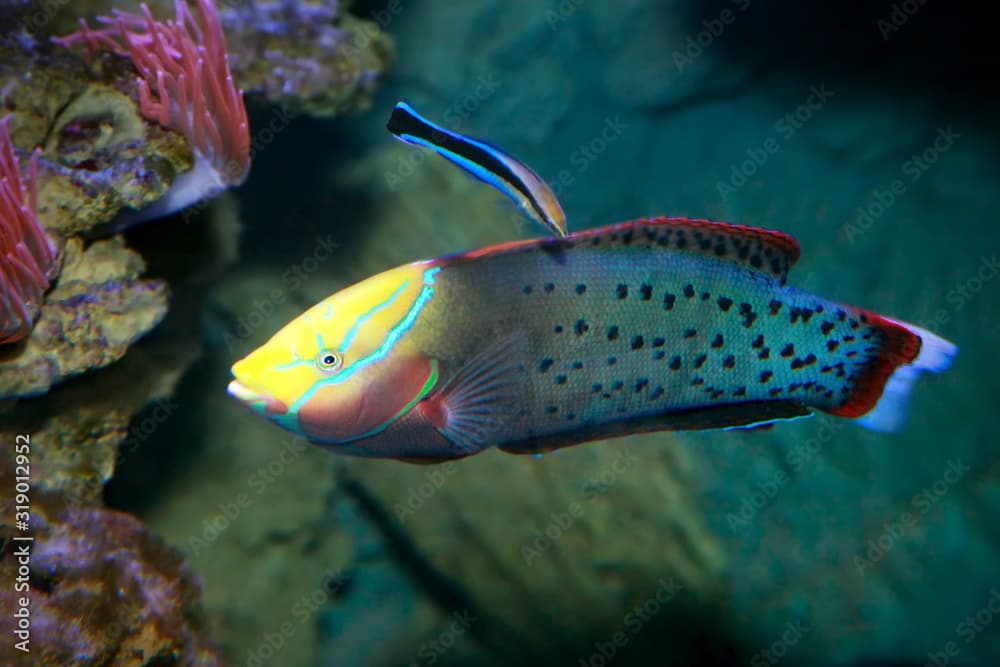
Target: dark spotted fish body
x=648 y=325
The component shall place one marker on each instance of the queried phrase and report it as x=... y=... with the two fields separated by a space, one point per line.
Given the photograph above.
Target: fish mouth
x=256 y=401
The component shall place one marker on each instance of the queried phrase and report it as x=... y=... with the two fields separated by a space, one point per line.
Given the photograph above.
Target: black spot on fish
x=558 y=328
x=656 y=393
x=597 y=388
x=744 y=252
x=765 y=377
x=618 y=385
x=788 y=350
x=570 y=416
x=718 y=341
x=621 y=291
x=549 y=287
x=697 y=381
x=681 y=239
x=828 y=394
x=637 y=342
x=793 y=314
x=853 y=323
x=758 y=342
x=863 y=318
x=705 y=296
x=852 y=354
x=581 y=288
x=849 y=339
x=775 y=265
x=720 y=250
x=645 y=292
x=775 y=392
x=668 y=301
x=627 y=237
x=689 y=291
x=612 y=332
x=700 y=360
x=705 y=244
x=725 y=303
x=641 y=384
x=774 y=307
x=560 y=379
x=755 y=261
x=659 y=342
x=659 y=355
x=740 y=391
x=545 y=365
x=841 y=315
x=527 y=289
x=675 y=363
x=765 y=353
x=811 y=359
x=806 y=315
x=746 y=310
x=612 y=361
x=552 y=409
x=577 y=365
x=827 y=327
x=690 y=333
x=819 y=310
x=797 y=364
x=832 y=345
x=716 y=393
x=581 y=327
x=729 y=361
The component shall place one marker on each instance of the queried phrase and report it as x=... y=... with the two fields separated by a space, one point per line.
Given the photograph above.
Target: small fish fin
x=473 y=406
x=880 y=400
x=768 y=251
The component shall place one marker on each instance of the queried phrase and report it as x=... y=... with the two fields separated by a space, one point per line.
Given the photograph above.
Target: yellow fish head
x=345 y=369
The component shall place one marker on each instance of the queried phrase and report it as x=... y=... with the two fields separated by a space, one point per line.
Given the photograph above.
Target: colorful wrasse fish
x=485 y=162
x=656 y=324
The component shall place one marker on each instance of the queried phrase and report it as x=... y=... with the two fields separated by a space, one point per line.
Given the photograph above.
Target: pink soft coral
x=27 y=256
x=185 y=85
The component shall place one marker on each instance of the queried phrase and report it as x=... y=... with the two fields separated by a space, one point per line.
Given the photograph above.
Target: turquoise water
x=815 y=543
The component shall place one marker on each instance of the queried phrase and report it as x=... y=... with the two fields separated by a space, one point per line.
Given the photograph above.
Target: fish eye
x=328 y=361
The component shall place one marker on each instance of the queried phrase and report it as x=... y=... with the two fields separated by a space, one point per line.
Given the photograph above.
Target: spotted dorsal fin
x=767 y=251
x=763 y=250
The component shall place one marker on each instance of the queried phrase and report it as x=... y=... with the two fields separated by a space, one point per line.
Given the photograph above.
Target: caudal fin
x=881 y=400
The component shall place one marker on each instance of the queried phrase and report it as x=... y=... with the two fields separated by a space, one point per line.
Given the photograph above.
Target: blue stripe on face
x=395 y=333
x=349 y=337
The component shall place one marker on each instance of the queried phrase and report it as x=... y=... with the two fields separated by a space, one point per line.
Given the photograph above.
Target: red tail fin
x=880 y=399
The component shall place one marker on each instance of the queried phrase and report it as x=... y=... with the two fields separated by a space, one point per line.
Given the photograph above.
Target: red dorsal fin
x=765 y=250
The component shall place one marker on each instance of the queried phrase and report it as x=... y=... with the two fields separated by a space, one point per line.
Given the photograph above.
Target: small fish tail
x=881 y=398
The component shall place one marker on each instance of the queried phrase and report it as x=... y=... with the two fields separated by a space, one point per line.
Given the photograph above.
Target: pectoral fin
x=473 y=407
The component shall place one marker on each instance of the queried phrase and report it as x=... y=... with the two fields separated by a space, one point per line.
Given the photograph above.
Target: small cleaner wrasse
x=654 y=324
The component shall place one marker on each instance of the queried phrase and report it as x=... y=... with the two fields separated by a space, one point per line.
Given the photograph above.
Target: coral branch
x=27 y=256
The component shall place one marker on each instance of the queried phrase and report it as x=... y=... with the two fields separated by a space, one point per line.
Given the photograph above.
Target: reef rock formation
x=103 y=591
